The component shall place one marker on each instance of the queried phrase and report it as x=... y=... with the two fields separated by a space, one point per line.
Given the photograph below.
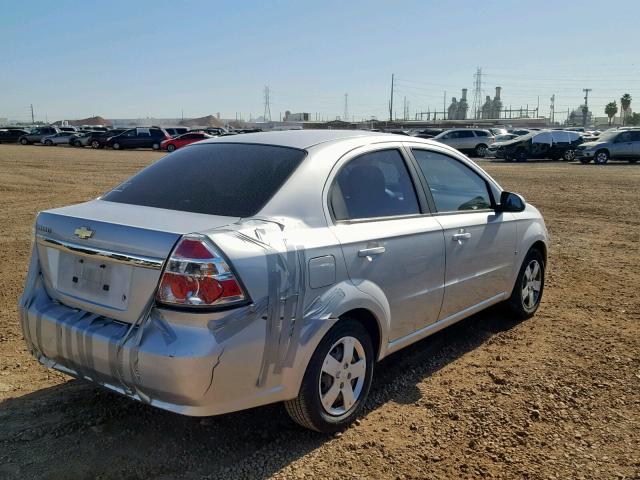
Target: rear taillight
x=196 y=274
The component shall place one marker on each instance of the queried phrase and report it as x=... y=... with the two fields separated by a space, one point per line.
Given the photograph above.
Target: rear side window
x=453 y=185
x=234 y=180
x=374 y=185
x=481 y=133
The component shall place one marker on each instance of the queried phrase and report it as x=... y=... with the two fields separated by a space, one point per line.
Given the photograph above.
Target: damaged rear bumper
x=163 y=361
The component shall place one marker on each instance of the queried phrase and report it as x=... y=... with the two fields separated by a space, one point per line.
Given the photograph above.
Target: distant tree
x=634 y=119
x=625 y=103
x=611 y=109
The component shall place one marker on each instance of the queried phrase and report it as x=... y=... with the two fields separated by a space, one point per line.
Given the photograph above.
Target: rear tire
x=527 y=291
x=95 y=144
x=481 y=150
x=601 y=157
x=569 y=155
x=321 y=404
x=156 y=146
x=24 y=141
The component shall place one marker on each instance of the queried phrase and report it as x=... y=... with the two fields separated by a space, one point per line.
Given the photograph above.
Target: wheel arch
x=371 y=324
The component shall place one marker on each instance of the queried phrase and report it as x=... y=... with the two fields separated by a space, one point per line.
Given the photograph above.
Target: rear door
x=391 y=244
x=480 y=242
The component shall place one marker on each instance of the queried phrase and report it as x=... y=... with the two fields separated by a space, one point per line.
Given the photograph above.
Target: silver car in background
x=60 y=138
x=268 y=267
x=469 y=140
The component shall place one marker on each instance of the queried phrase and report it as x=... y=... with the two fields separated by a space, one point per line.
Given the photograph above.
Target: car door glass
x=374 y=185
x=634 y=136
x=453 y=185
x=465 y=134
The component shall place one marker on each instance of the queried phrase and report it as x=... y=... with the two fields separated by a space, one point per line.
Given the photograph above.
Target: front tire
x=337 y=380
x=171 y=147
x=156 y=146
x=48 y=143
x=601 y=157
x=95 y=144
x=24 y=141
x=116 y=146
x=527 y=292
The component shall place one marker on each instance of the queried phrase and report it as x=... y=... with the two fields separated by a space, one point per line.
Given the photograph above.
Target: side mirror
x=511 y=202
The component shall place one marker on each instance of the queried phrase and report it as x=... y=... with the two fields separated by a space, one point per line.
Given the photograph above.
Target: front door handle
x=458 y=237
x=367 y=252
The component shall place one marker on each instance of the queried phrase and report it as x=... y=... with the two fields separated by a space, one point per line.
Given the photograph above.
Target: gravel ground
x=554 y=397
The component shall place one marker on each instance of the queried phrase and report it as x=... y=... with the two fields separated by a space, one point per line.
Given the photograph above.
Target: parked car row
x=156 y=138
x=553 y=144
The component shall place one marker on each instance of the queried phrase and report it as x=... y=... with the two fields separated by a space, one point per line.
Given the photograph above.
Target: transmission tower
x=346 y=107
x=477 y=93
x=267 y=106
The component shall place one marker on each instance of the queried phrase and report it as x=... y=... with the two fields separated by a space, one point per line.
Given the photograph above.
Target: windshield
x=229 y=179
x=608 y=136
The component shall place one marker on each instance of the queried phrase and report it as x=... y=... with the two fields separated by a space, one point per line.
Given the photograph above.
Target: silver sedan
x=279 y=266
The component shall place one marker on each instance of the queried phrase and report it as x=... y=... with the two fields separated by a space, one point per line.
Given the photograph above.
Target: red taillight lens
x=197 y=275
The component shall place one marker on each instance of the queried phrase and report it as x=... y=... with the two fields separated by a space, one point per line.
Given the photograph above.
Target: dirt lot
x=554 y=397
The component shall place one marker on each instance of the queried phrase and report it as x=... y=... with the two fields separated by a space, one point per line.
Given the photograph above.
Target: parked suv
x=618 y=144
x=553 y=144
x=138 y=138
x=37 y=134
x=11 y=135
x=467 y=140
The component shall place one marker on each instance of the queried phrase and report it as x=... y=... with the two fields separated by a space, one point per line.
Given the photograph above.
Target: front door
x=480 y=243
x=389 y=244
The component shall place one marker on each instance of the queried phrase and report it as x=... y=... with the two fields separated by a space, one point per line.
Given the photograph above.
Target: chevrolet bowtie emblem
x=83 y=233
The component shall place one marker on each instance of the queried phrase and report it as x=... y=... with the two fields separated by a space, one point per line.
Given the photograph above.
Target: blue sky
x=118 y=59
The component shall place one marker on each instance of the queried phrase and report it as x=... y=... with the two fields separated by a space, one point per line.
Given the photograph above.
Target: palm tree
x=625 y=103
x=611 y=109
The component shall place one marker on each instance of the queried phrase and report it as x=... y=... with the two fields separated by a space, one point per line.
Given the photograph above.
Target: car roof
x=301 y=139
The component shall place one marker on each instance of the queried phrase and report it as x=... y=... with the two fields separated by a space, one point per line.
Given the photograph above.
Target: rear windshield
x=228 y=179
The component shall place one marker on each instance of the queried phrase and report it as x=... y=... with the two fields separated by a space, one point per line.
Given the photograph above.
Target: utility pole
x=32 y=117
x=346 y=107
x=552 y=108
x=444 y=106
x=391 y=102
x=585 y=110
x=267 y=105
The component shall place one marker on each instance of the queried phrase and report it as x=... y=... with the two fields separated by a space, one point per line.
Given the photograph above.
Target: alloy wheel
x=531 y=285
x=570 y=155
x=343 y=376
x=601 y=158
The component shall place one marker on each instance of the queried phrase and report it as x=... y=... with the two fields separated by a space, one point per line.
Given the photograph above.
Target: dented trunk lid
x=106 y=257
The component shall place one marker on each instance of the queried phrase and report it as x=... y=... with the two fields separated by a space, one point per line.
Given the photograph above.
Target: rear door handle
x=367 y=252
x=457 y=237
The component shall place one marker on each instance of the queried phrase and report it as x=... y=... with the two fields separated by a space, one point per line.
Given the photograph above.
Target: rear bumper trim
x=86 y=251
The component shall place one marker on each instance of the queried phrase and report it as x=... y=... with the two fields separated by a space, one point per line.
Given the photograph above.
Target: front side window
x=374 y=185
x=453 y=185
x=465 y=134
